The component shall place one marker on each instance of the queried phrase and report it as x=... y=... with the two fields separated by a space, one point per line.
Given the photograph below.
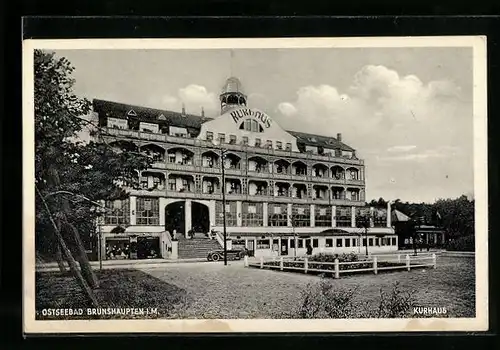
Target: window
x=354 y=195
x=279 y=145
x=171 y=157
x=347 y=242
x=288 y=146
x=210 y=136
x=343 y=216
x=364 y=242
x=118 y=212
x=156 y=182
x=292 y=243
x=277 y=214
x=144 y=182
x=301 y=215
x=252 y=214
x=370 y=242
x=232 y=139
x=393 y=240
x=315 y=243
x=354 y=242
x=329 y=242
x=257 y=142
x=323 y=216
x=339 y=242
x=231 y=215
x=222 y=138
x=171 y=184
x=148 y=211
x=263 y=244
x=245 y=140
x=380 y=218
x=251 y=125
x=269 y=144
x=300 y=243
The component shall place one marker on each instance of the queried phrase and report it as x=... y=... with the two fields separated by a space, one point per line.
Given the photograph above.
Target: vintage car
x=234 y=254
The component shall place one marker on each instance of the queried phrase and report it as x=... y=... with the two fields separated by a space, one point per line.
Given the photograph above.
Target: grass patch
x=232 y=291
x=124 y=288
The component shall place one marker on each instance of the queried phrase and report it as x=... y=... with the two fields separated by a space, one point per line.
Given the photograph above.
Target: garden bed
x=345 y=264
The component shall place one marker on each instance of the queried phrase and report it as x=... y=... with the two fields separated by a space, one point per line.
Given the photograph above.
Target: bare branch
x=73 y=194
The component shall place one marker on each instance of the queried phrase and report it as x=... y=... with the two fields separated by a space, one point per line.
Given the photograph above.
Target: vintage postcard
x=255 y=185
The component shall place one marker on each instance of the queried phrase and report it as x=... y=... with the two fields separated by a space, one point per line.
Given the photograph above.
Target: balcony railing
x=235 y=147
x=256 y=198
x=158 y=165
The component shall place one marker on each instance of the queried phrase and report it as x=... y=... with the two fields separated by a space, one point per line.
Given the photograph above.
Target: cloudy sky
x=408 y=111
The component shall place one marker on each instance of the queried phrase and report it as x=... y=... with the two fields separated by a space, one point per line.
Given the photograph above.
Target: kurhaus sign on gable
x=238 y=114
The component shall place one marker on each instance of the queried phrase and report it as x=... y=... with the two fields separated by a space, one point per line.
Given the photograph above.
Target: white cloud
x=194 y=97
x=387 y=118
x=287 y=109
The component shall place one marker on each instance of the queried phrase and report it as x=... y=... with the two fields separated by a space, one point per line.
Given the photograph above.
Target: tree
x=363 y=222
x=70 y=176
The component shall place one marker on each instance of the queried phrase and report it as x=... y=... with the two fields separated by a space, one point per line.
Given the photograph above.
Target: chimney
x=339 y=137
x=183 y=109
x=202 y=112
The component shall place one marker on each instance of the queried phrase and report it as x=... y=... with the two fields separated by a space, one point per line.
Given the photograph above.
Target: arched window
x=251 y=125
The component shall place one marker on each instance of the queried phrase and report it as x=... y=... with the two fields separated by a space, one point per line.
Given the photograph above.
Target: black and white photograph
x=228 y=185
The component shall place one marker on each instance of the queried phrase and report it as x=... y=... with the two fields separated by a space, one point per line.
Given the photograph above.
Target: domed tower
x=232 y=95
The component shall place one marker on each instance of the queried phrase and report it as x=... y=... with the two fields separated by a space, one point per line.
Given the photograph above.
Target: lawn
x=118 y=289
x=216 y=291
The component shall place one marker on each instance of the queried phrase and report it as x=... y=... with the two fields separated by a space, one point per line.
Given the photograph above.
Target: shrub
x=326 y=257
x=324 y=300
x=396 y=304
x=464 y=244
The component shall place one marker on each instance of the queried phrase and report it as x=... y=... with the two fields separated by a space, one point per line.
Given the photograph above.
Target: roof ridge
x=149 y=108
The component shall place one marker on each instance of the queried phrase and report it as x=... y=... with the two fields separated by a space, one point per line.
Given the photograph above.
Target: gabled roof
x=321 y=141
x=121 y=110
x=397 y=216
x=165 y=117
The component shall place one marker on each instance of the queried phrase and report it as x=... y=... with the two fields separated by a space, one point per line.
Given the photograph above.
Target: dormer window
x=288 y=146
x=210 y=136
x=222 y=138
x=279 y=145
x=232 y=139
x=257 y=142
x=245 y=140
x=269 y=144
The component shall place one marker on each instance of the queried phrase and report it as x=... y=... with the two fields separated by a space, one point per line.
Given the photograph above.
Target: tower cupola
x=232 y=95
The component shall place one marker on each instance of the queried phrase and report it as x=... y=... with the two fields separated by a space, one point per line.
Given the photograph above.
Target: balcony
x=132 y=134
x=179 y=167
x=355 y=182
x=158 y=165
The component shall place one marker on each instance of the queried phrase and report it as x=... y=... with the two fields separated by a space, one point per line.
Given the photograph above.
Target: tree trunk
x=60 y=259
x=71 y=235
x=78 y=251
x=72 y=263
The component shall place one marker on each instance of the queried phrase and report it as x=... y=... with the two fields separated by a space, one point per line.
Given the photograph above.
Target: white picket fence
x=406 y=261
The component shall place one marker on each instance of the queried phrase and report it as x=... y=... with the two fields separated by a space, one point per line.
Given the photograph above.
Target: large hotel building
x=284 y=189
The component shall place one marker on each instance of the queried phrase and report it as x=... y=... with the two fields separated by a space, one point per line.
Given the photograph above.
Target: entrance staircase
x=196 y=247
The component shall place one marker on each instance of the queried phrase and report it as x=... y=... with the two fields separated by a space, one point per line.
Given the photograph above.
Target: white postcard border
x=479 y=323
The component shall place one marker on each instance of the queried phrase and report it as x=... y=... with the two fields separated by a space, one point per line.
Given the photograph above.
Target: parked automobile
x=234 y=254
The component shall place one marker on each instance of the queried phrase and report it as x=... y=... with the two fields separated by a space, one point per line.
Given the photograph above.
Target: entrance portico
x=186 y=215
